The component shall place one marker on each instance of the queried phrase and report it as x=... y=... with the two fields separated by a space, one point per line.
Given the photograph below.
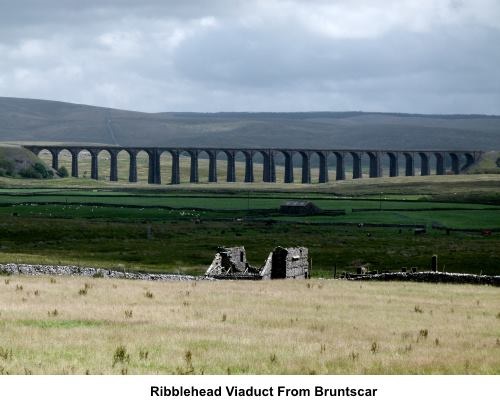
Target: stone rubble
x=47 y=270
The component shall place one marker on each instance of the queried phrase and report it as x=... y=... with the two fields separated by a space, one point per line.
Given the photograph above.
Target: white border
x=124 y=390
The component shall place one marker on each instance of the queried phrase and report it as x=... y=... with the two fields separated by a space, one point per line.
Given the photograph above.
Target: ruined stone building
x=231 y=263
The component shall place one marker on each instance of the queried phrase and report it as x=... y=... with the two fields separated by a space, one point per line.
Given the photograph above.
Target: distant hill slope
x=17 y=161
x=30 y=120
x=489 y=163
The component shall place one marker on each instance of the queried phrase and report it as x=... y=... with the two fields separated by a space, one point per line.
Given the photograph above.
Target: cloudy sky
x=425 y=56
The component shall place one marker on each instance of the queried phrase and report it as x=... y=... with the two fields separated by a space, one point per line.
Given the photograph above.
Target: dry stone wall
x=429 y=277
x=46 y=270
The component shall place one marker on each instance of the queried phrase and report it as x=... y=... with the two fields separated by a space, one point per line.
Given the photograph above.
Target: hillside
x=489 y=163
x=16 y=161
x=27 y=120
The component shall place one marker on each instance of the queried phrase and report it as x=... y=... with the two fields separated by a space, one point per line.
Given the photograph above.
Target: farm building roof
x=296 y=203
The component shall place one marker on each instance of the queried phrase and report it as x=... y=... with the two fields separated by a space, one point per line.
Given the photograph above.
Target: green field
x=107 y=226
x=252 y=207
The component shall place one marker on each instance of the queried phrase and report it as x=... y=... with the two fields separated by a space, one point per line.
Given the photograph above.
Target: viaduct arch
x=459 y=161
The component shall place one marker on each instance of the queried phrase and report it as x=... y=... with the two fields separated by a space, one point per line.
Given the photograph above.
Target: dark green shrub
x=30 y=173
x=121 y=355
x=40 y=168
x=63 y=172
x=6 y=168
x=36 y=171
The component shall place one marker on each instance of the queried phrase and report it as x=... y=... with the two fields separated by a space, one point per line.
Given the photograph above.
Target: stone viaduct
x=460 y=160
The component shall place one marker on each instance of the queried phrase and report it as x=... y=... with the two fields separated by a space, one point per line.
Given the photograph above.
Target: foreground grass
x=70 y=325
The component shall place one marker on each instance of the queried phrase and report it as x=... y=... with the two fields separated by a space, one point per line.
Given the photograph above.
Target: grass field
x=186 y=246
x=107 y=227
x=71 y=325
x=478 y=187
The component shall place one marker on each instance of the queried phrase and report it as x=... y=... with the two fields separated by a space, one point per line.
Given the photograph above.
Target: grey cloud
x=253 y=55
x=282 y=59
x=60 y=11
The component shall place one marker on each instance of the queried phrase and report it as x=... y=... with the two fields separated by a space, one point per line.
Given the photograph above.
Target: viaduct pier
x=400 y=162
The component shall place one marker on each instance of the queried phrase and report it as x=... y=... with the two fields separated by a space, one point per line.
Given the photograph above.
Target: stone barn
x=286 y=263
x=299 y=208
x=231 y=263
